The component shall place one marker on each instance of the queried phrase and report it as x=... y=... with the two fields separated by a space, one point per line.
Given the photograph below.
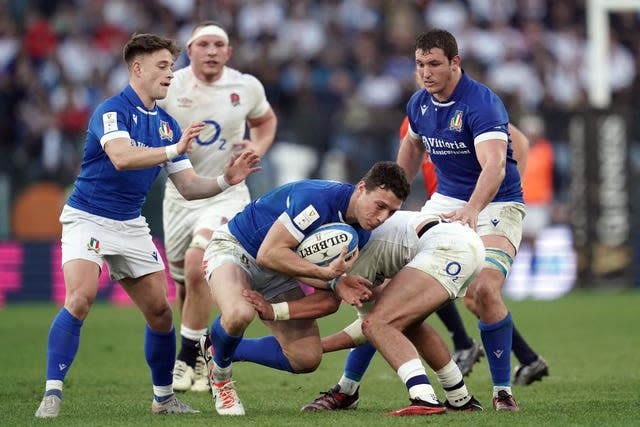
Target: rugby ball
x=324 y=244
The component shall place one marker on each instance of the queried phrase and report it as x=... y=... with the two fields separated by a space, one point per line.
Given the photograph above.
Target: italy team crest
x=456 y=121
x=165 y=131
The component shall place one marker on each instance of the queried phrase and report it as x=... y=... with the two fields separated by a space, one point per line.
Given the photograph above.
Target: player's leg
x=466 y=352
x=227 y=280
x=434 y=351
x=148 y=292
x=532 y=366
x=198 y=304
x=81 y=284
x=495 y=323
x=407 y=299
x=178 y=230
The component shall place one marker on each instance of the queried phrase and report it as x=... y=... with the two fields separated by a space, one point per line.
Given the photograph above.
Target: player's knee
x=159 y=316
x=370 y=326
x=194 y=278
x=237 y=318
x=79 y=304
x=306 y=361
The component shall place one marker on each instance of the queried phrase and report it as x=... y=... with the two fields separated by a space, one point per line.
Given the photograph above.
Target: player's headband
x=209 y=30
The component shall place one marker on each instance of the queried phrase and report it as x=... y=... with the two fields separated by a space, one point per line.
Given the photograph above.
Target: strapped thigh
x=497 y=259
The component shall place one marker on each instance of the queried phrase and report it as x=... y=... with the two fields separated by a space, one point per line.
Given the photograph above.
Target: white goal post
x=598 y=33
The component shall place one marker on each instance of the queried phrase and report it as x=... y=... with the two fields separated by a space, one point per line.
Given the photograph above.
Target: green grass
x=590 y=340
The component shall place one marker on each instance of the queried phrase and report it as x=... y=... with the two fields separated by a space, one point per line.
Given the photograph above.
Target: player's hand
x=241 y=165
x=185 y=145
x=466 y=215
x=259 y=303
x=354 y=290
x=341 y=264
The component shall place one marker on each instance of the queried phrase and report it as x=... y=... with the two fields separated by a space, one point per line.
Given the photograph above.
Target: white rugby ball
x=325 y=243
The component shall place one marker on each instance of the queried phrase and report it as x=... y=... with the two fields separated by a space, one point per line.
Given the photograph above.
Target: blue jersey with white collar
x=302 y=206
x=449 y=130
x=102 y=190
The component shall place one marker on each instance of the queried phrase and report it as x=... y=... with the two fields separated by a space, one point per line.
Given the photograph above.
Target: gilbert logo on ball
x=324 y=244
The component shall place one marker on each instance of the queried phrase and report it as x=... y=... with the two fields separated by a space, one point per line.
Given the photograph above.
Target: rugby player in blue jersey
x=255 y=250
x=128 y=142
x=463 y=126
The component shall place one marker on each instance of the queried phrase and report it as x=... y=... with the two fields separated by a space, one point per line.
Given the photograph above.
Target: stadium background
x=338 y=74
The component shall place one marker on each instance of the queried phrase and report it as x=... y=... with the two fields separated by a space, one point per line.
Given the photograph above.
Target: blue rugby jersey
x=102 y=190
x=449 y=131
x=302 y=206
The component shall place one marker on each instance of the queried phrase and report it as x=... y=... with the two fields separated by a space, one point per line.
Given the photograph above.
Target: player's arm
x=491 y=155
x=126 y=156
x=262 y=131
x=318 y=304
x=520 y=146
x=410 y=155
x=276 y=253
x=192 y=186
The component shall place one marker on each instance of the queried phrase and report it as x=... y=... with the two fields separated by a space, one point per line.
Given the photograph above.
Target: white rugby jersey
x=390 y=247
x=224 y=106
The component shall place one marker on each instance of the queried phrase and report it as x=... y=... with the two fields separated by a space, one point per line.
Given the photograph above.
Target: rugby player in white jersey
x=228 y=102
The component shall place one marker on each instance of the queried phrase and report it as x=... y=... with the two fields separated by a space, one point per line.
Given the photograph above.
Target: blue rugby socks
x=496 y=338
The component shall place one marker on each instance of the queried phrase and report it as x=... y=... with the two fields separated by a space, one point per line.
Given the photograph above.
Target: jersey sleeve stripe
x=114 y=135
x=490 y=135
x=177 y=166
x=288 y=224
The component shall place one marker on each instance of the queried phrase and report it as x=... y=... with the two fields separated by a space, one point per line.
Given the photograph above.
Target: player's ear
x=229 y=52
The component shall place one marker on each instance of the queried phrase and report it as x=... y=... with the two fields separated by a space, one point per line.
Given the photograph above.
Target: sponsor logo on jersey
x=235 y=99
x=154 y=255
x=110 y=121
x=94 y=245
x=423 y=109
x=453 y=268
x=305 y=218
x=135 y=118
x=456 y=121
x=165 y=131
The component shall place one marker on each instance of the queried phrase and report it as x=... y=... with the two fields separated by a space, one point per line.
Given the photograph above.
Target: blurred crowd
x=337 y=72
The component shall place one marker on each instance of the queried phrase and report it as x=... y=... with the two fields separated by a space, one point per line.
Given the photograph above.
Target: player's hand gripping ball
x=325 y=243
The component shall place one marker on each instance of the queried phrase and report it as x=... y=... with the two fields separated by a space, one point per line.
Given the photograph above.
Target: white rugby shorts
x=224 y=248
x=126 y=246
x=497 y=219
x=451 y=253
x=180 y=223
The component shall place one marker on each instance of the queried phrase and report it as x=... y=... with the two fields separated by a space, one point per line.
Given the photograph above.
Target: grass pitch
x=590 y=340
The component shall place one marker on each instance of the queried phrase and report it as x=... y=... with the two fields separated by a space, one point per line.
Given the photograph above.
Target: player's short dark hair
x=389 y=176
x=145 y=44
x=437 y=38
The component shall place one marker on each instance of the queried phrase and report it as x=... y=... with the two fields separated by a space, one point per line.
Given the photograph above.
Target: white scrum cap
x=208 y=30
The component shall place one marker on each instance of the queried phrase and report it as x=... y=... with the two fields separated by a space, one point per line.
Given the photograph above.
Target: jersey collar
x=135 y=100
x=456 y=94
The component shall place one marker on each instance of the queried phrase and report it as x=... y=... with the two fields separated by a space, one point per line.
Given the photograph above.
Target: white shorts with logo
x=224 y=248
x=497 y=219
x=451 y=253
x=180 y=223
x=126 y=246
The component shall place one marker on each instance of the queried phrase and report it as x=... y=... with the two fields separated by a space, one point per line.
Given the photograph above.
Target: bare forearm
x=262 y=135
x=487 y=186
x=410 y=157
x=199 y=187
